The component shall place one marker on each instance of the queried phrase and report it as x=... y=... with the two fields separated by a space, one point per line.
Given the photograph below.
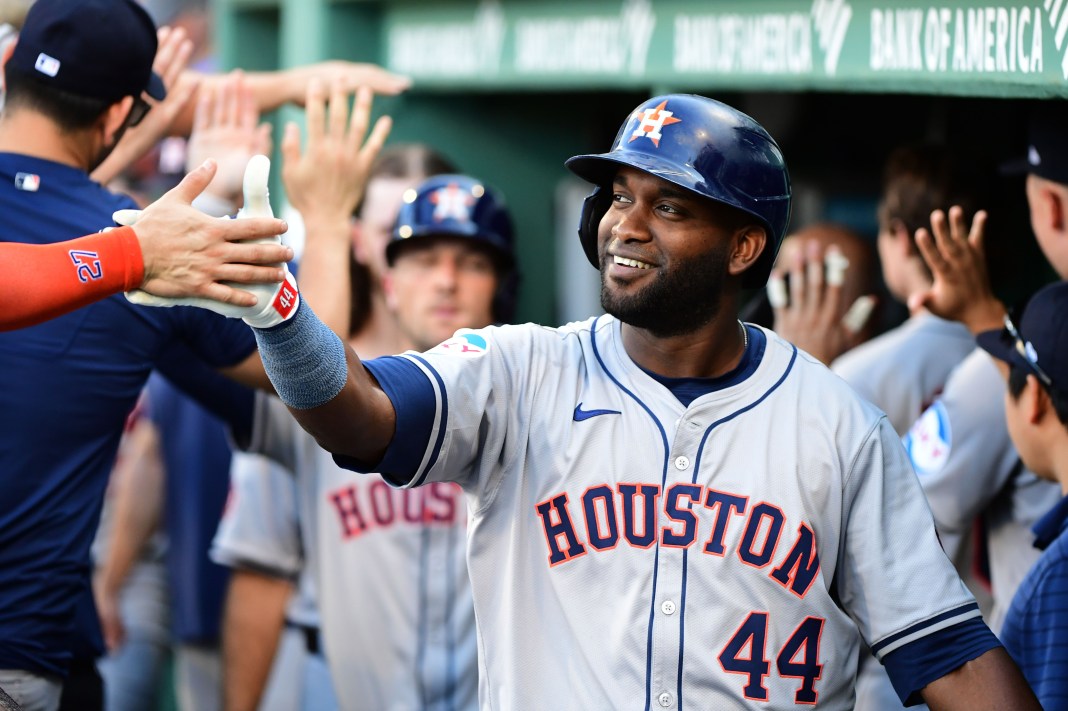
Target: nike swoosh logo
x=581 y=414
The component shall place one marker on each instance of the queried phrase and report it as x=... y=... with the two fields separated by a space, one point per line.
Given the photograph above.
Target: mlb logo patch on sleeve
x=466 y=344
x=28 y=182
x=928 y=442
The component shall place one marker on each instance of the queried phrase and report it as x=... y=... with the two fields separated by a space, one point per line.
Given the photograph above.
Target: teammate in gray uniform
x=270 y=545
x=960 y=446
x=903 y=370
x=667 y=507
x=402 y=553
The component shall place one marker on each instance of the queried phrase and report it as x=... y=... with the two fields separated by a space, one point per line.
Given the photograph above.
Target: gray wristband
x=304 y=359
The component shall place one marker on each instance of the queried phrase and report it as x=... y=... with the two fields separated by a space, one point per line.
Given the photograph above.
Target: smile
x=623 y=261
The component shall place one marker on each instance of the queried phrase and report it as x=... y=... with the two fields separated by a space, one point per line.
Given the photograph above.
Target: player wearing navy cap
x=960 y=448
x=1034 y=346
x=668 y=508
x=74 y=83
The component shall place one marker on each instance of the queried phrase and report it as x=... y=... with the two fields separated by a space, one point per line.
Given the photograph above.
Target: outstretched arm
x=175 y=250
x=289 y=86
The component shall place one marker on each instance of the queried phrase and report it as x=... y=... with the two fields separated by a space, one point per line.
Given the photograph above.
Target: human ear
x=113 y=119
x=749 y=243
x=1036 y=400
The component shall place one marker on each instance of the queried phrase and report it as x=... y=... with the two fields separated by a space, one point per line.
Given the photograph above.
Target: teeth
x=631 y=263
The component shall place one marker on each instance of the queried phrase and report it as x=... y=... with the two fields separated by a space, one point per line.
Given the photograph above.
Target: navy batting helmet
x=461 y=206
x=704 y=146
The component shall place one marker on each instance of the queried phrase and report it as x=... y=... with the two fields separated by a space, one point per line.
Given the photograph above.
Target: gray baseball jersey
x=903 y=370
x=390 y=565
x=967 y=465
x=260 y=527
x=627 y=551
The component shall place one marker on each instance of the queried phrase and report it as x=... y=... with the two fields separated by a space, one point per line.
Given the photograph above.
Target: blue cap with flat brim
x=101 y=49
x=1043 y=341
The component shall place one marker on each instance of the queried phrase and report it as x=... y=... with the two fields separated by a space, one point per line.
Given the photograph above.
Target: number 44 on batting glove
x=275 y=303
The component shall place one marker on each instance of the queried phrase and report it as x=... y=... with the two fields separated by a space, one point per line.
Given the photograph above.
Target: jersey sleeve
x=260 y=528
x=455 y=406
x=52 y=279
x=274 y=432
x=960 y=446
x=894 y=579
x=916 y=664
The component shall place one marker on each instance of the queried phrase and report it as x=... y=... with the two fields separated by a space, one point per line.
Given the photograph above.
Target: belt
x=310 y=634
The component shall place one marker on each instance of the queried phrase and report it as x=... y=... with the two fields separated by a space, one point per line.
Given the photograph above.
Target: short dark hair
x=919 y=179
x=408 y=160
x=71 y=112
x=1018 y=380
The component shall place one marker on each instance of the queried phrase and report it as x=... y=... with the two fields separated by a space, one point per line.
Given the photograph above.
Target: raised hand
x=960 y=290
x=227 y=129
x=328 y=178
x=812 y=315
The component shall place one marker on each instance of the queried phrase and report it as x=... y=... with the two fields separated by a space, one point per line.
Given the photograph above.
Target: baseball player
x=667 y=508
x=260 y=537
x=171 y=238
x=903 y=370
x=1034 y=346
x=401 y=552
x=959 y=446
x=259 y=532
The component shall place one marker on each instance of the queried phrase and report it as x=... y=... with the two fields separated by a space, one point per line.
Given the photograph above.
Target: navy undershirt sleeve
x=231 y=402
x=931 y=657
x=413 y=399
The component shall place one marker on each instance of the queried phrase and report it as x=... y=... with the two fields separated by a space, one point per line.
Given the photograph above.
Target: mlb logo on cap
x=47 y=65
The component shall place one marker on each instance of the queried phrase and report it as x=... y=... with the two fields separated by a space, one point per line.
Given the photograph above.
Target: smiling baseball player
x=668 y=508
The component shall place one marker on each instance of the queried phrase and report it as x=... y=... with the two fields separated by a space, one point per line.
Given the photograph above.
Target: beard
x=675 y=302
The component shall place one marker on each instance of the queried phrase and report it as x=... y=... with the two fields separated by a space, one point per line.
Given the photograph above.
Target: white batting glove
x=275 y=303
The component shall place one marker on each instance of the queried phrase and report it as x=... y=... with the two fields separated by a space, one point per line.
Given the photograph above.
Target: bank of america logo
x=1057 y=12
x=831 y=20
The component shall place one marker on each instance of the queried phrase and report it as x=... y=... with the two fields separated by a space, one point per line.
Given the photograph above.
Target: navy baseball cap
x=1038 y=340
x=1047 y=143
x=101 y=49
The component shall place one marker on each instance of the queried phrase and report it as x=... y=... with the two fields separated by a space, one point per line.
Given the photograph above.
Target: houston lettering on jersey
x=361 y=508
x=605 y=516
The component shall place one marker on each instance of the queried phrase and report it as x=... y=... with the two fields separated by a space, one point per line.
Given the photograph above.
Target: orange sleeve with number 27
x=45 y=281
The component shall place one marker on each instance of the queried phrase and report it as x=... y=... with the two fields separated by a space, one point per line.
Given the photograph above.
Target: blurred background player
x=402 y=553
x=960 y=446
x=822 y=322
x=261 y=535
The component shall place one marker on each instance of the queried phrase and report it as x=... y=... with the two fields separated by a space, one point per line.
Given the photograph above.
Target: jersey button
x=665 y=699
x=682 y=463
x=667 y=607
